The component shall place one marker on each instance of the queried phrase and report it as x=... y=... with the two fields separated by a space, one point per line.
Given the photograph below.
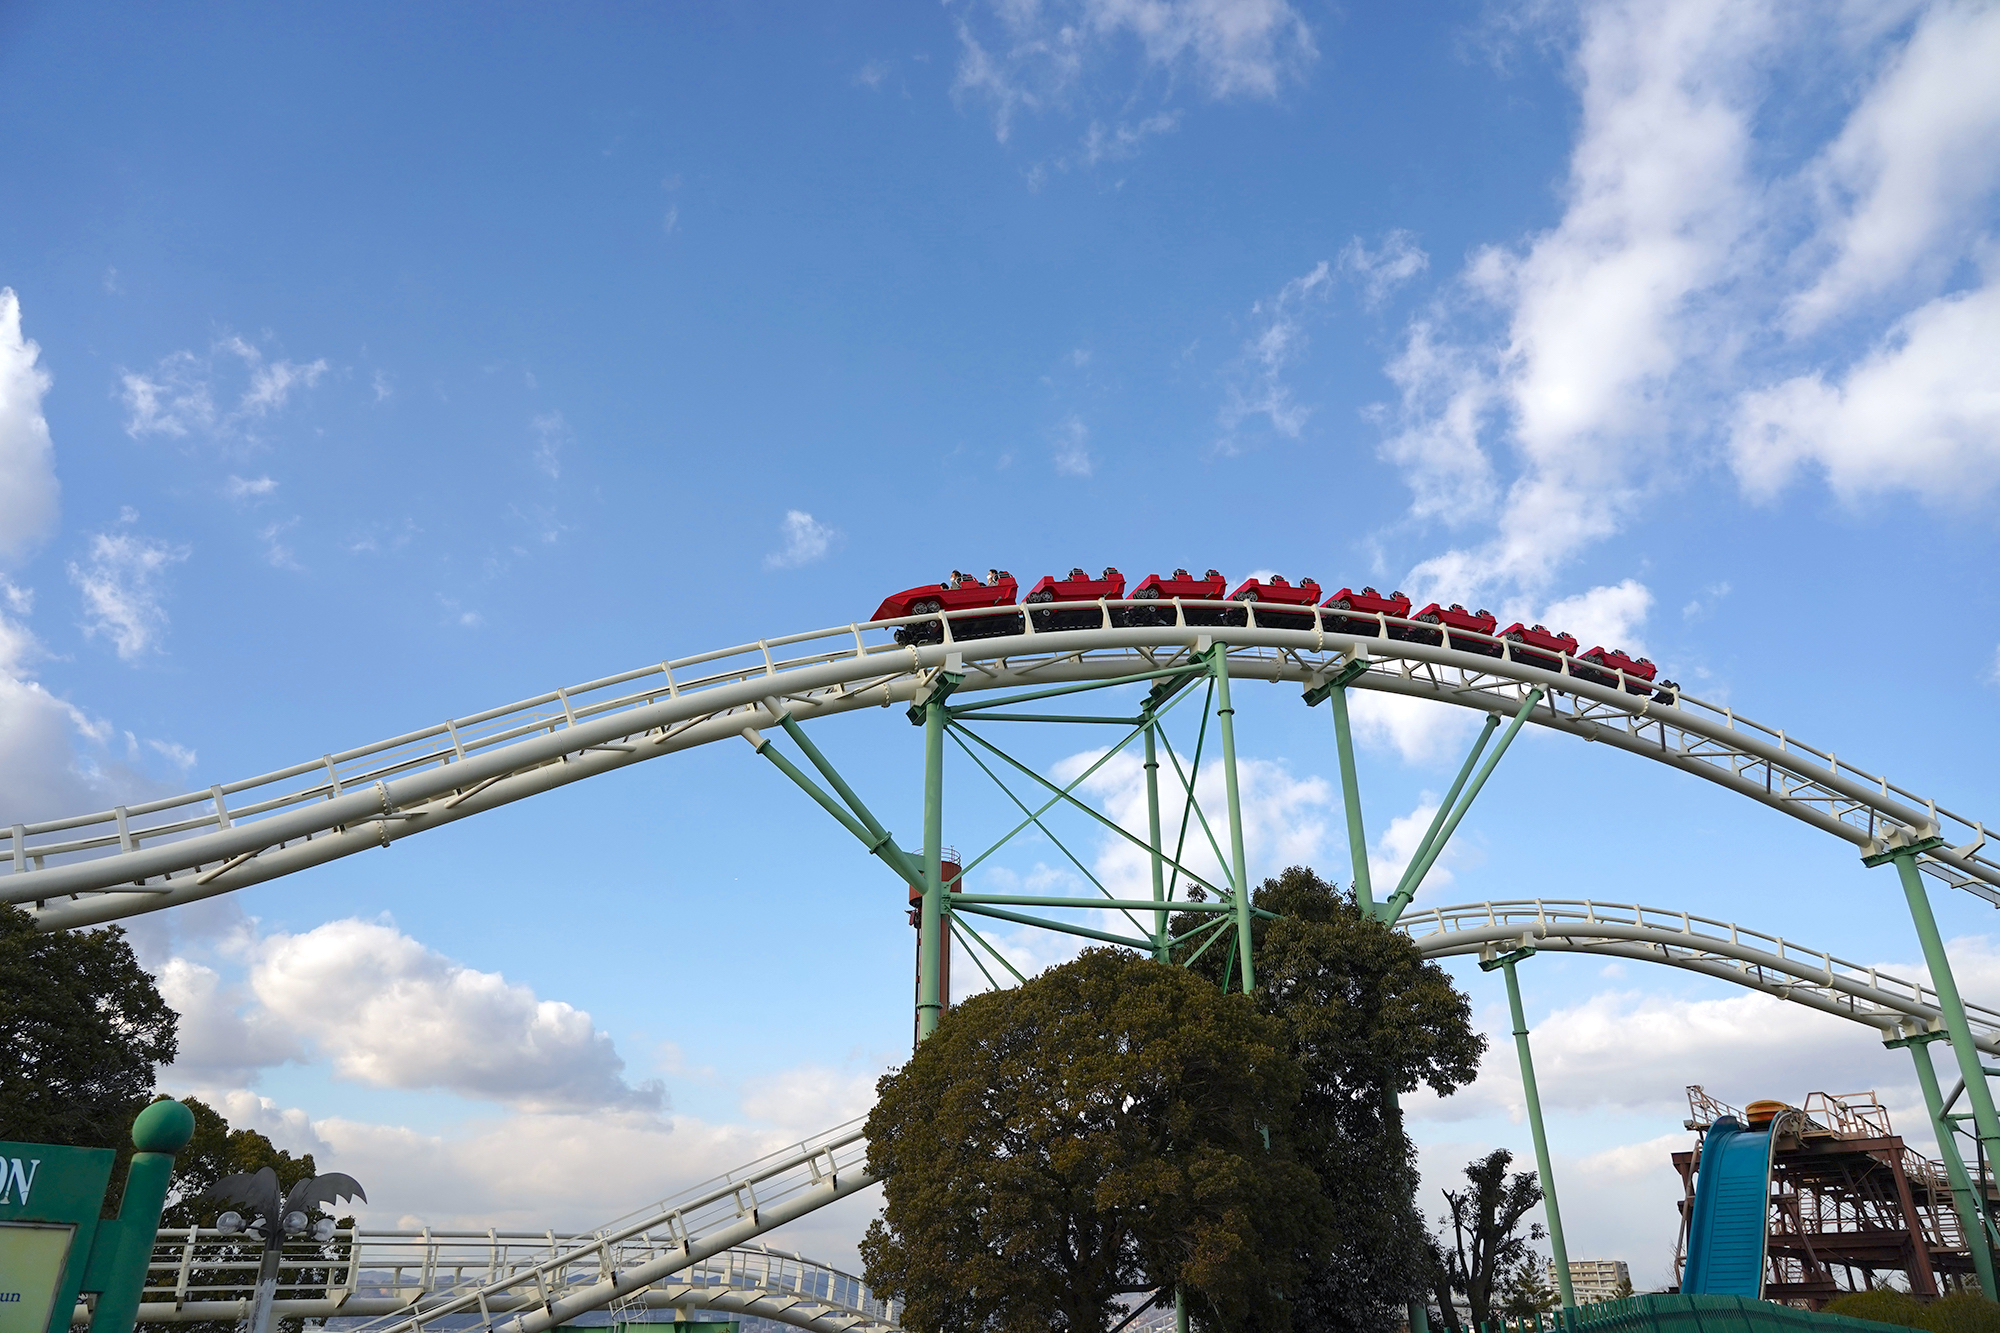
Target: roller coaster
x=951 y=670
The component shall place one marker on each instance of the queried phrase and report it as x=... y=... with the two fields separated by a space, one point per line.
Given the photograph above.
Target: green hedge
x=1740 y=1314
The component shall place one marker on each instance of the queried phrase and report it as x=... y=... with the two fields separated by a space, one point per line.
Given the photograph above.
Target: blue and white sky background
x=368 y=365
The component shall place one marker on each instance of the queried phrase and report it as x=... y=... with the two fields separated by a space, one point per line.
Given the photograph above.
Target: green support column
x=1350 y=790
x=1239 y=877
x=1160 y=950
x=930 y=938
x=1558 y=1250
x=1946 y=986
x=1971 y=1216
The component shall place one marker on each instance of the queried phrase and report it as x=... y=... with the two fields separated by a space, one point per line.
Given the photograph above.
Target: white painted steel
x=397 y=1273
x=1750 y=958
x=113 y=864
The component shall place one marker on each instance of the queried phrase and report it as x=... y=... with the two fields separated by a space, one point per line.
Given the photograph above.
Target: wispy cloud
x=1257 y=386
x=248 y=488
x=122 y=587
x=1121 y=140
x=1385 y=268
x=179 y=396
x=552 y=437
x=1027 y=58
x=806 y=540
x=1072 y=448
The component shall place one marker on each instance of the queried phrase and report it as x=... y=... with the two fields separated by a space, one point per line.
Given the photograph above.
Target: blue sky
x=365 y=367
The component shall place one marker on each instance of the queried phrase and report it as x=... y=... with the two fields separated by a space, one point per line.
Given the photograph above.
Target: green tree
x=1524 y=1290
x=1485 y=1241
x=1112 y=1128
x=1367 y=1018
x=1883 y=1305
x=84 y=1030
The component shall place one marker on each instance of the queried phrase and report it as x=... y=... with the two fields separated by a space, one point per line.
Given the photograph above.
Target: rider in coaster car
x=992 y=578
x=961 y=580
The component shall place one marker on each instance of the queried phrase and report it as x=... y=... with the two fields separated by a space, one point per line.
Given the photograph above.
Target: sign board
x=50 y=1197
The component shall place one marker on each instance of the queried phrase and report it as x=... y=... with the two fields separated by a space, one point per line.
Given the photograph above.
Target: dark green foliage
x=1096 y=1134
x=1485 y=1241
x=84 y=1029
x=1367 y=1017
x=1882 y=1305
x=1961 y=1312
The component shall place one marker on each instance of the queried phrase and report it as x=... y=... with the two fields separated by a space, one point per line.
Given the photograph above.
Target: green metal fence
x=1694 y=1314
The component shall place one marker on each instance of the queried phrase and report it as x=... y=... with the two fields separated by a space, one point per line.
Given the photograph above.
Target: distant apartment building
x=1596 y=1279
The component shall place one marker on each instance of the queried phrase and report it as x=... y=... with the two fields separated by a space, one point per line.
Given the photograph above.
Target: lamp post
x=276 y=1218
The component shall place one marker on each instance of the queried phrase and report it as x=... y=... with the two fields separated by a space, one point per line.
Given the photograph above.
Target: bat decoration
x=323 y=1191
x=256 y=1191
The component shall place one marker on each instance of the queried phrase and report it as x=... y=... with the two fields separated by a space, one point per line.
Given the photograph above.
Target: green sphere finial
x=165 y=1126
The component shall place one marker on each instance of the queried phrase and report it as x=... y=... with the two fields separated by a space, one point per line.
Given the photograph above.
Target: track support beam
x=1420 y=866
x=1950 y=1005
x=1225 y=712
x=1968 y=1204
x=1558 y=1251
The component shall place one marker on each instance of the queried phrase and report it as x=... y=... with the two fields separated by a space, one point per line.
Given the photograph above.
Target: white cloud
x=1072 y=451
x=1906 y=181
x=388 y=1012
x=1259 y=388
x=1600 y=309
x=1920 y=412
x=1027 y=57
x=1419 y=730
x=219 y=1040
x=1397 y=847
x=121 y=589
x=806 y=540
x=552 y=436
x=180 y=756
x=28 y=487
x=277 y=554
x=178 y=396
x=241 y=488
x=1610 y=616
x=1381 y=271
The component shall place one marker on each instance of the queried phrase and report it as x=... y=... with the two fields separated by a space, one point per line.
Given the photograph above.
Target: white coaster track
x=132 y=859
x=688 y=1251
x=397 y=1274
x=1749 y=958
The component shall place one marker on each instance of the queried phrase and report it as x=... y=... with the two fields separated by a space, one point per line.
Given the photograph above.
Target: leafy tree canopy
x=217 y=1151
x=84 y=1029
x=1112 y=1128
x=1485 y=1240
x=1367 y=1018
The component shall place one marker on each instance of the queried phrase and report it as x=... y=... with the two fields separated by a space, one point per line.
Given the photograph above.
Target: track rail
x=201 y=1274
x=1749 y=958
x=133 y=859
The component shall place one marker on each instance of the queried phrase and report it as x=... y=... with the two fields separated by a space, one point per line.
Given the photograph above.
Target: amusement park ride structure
x=1181 y=658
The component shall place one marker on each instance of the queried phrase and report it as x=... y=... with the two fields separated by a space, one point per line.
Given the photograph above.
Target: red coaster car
x=1183 y=585
x=1370 y=601
x=1276 y=589
x=1638 y=670
x=1456 y=617
x=1525 y=638
x=959 y=592
x=1078 y=587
